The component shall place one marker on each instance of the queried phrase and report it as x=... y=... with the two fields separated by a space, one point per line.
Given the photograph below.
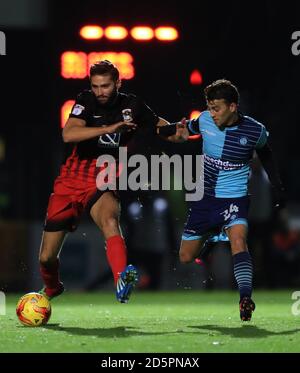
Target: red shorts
x=74 y=192
x=67 y=203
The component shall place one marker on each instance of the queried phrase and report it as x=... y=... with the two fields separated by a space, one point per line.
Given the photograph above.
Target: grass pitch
x=186 y=321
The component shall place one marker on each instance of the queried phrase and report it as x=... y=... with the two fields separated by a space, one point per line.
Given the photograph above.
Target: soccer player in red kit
x=102 y=119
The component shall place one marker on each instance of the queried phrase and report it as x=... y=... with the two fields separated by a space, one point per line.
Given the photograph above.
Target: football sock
x=116 y=255
x=242 y=268
x=50 y=274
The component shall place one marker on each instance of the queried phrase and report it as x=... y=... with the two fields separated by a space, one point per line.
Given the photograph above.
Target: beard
x=111 y=99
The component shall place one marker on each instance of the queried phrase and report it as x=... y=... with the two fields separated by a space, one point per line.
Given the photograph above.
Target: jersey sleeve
x=146 y=117
x=82 y=106
x=193 y=126
x=262 y=138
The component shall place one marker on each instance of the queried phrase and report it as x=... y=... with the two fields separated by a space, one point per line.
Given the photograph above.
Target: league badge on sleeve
x=77 y=109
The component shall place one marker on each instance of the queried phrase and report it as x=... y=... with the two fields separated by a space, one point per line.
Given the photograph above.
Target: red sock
x=50 y=275
x=116 y=255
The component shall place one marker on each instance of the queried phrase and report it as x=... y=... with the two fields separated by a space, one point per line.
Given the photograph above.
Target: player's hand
x=121 y=127
x=182 y=133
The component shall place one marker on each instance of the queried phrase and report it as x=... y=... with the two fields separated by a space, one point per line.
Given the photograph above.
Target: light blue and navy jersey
x=227 y=153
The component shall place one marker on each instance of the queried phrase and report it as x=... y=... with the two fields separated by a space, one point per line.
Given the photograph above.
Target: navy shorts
x=213 y=215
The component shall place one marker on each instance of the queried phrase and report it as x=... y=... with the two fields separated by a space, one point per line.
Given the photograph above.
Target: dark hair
x=222 y=89
x=104 y=67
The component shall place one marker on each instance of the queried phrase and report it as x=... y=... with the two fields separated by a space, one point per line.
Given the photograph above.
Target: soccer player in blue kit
x=229 y=140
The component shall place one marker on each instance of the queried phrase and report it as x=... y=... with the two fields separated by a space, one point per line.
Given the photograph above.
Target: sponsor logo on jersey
x=209 y=132
x=109 y=140
x=222 y=165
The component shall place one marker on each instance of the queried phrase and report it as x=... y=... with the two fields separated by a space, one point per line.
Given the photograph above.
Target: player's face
x=104 y=87
x=221 y=112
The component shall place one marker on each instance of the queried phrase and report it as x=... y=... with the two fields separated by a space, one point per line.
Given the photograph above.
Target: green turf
x=187 y=321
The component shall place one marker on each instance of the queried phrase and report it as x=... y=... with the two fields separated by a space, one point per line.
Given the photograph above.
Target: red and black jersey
x=87 y=108
x=81 y=164
x=75 y=188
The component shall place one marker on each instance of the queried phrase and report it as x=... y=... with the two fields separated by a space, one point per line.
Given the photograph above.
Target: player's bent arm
x=265 y=155
x=266 y=158
x=76 y=130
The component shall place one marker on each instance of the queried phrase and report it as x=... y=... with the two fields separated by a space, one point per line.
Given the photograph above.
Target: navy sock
x=242 y=268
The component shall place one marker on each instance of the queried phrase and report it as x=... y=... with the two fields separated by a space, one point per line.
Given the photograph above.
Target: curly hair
x=222 y=89
x=103 y=68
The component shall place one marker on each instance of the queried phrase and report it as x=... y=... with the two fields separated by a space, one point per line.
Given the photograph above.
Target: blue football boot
x=126 y=282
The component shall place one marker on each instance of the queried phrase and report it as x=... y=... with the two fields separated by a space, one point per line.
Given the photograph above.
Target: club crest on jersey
x=110 y=140
x=127 y=115
x=77 y=109
x=243 y=140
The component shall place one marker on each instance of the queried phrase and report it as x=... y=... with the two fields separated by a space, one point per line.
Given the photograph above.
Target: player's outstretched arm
x=76 y=130
x=174 y=132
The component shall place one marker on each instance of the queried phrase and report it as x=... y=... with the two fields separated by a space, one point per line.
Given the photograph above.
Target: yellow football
x=33 y=309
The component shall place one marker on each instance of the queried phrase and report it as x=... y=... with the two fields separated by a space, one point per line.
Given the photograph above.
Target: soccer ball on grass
x=33 y=309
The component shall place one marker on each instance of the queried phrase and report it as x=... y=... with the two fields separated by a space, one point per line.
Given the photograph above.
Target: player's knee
x=109 y=223
x=46 y=259
x=185 y=258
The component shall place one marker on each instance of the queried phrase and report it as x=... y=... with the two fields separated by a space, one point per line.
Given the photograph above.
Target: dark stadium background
x=248 y=43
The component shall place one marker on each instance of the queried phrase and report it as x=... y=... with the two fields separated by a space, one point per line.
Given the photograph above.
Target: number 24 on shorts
x=227 y=213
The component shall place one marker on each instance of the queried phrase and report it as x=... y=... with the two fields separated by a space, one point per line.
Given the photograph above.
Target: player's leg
x=105 y=213
x=204 y=256
x=190 y=249
x=196 y=231
x=237 y=235
x=62 y=216
x=242 y=267
x=49 y=262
